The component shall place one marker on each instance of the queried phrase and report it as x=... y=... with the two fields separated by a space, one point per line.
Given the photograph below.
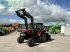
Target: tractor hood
x=26 y=31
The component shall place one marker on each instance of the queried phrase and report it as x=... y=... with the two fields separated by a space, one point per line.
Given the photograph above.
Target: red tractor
x=33 y=32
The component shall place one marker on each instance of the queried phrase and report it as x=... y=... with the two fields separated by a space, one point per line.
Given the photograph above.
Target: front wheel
x=30 y=42
x=20 y=39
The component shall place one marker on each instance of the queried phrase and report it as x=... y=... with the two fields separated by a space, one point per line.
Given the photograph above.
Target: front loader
x=33 y=32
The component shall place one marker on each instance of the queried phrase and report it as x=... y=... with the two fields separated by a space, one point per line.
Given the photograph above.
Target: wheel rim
x=32 y=42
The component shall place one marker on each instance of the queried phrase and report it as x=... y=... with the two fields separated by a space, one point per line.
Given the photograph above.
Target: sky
x=62 y=3
x=46 y=11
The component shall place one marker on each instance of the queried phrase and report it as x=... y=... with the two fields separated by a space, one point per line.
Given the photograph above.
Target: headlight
x=22 y=34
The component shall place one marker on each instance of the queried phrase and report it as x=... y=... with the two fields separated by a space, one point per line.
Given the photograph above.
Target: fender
x=41 y=32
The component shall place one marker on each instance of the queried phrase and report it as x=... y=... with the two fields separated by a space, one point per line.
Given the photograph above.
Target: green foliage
x=2 y=31
x=54 y=28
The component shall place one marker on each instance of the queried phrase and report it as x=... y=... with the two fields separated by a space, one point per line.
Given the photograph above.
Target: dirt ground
x=8 y=43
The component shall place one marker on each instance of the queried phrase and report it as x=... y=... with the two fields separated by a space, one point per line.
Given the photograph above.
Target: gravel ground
x=60 y=43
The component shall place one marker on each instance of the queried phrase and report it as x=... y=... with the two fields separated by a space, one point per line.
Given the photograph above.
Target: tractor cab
x=37 y=26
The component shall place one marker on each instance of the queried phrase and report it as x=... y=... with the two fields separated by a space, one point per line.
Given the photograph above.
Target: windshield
x=21 y=26
x=36 y=26
x=30 y=26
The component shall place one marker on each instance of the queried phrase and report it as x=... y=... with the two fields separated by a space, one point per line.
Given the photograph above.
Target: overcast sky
x=42 y=10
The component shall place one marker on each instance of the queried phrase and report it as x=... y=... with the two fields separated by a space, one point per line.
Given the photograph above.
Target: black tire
x=20 y=39
x=43 y=38
x=48 y=37
x=30 y=42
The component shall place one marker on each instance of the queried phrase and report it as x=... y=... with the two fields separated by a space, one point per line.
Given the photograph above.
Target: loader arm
x=28 y=16
x=22 y=13
x=23 y=17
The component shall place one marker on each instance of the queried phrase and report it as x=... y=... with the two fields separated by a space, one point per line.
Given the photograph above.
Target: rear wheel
x=20 y=39
x=48 y=37
x=43 y=38
x=30 y=42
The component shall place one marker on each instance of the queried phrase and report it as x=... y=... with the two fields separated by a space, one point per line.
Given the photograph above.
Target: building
x=65 y=29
